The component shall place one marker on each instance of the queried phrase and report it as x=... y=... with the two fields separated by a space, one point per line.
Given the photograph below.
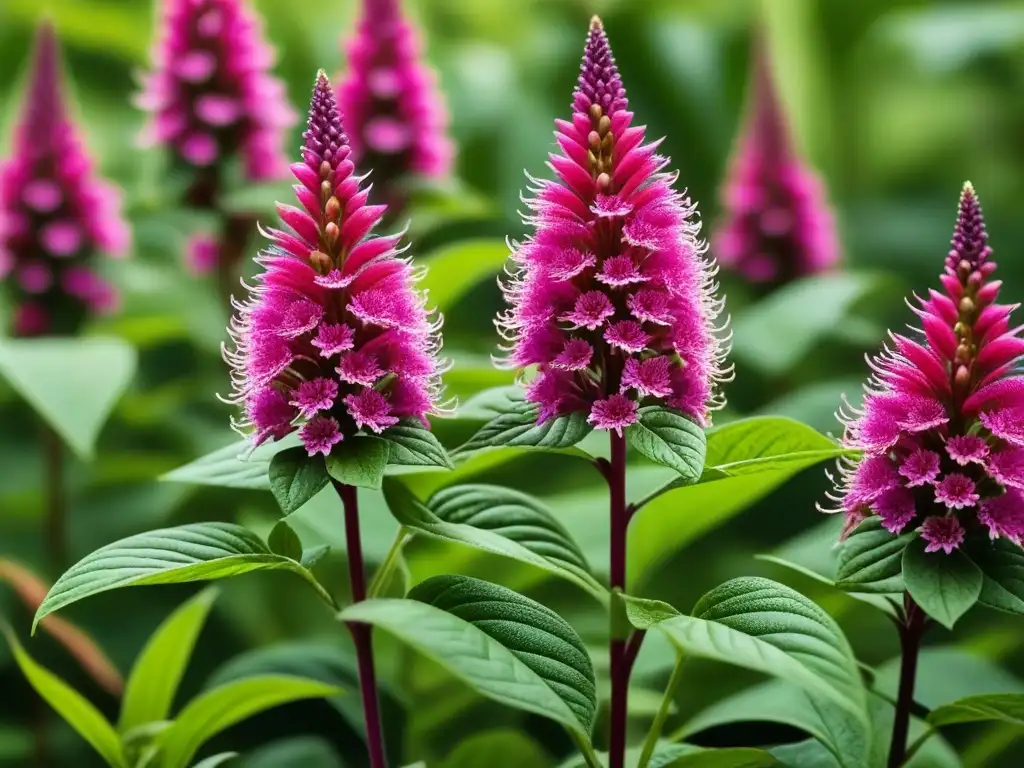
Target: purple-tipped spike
x=57 y=215
x=777 y=225
x=599 y=81
x=970 y=239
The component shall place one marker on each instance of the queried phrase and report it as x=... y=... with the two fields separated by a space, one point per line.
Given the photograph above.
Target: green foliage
x=412 y=445
x=1004 y=707
x=360 y=462
x=295 y=478
x=670 y=439
x=944 y=586
x=871 y=559
x=516 y=426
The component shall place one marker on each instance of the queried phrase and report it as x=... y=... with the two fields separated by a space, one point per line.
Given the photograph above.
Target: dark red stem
x=619 y=662
x=361 y=632
x=911 y=632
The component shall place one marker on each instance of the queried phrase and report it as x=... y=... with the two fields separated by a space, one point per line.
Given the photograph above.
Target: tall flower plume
x=942 y=425
x=612 y=296
x=210 y=96
x=333 y=339
x=57 y=215
x=395 y=115
x=777 y=224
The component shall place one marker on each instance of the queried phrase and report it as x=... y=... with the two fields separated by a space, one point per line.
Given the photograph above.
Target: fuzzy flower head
x=942 y=425
x=333 y=338
x=57 y=215
x=777 y=225
x=393 y=109
x=612 y=297
x=210 y=95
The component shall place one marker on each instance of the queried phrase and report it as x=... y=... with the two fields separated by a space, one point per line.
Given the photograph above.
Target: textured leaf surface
x=505 y=646
x=1000 y=707
x=1002 y=566
x=296 y=477
x=945 y=586
x=670 y=439
x=360 y=462
x=412 y=445
x=871 y=559
x=233 y=466
x=518 y=427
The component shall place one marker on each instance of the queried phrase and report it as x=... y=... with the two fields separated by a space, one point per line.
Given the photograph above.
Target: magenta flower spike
x=942 y=425
x=210 y=95
x=777 y=225
x=334 y=338
x=394 y=111
x=612 y=298
x=56 y=214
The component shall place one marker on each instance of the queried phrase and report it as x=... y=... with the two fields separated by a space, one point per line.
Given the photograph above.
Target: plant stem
x=56 y=500
x=910 y=644
x=659 y=719
x=361 y=632
x=619 y=520
x=383 y=574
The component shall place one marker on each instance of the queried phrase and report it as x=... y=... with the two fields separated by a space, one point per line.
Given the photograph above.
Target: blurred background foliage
x=896 y=102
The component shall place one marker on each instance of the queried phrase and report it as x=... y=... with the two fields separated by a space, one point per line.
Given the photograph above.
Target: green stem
x=659 y=719
x=586 y=749
x=383 y=574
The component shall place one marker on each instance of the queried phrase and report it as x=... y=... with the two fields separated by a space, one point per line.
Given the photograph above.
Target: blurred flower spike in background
x=56 y=214
x=334 y=336
x=612 y=296
x=942 y=426
x=777 y=225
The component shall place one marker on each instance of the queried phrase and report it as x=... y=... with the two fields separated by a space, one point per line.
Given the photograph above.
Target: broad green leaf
x=360 y=462
x=768 y=444
x=196 y=552
x=503 y=645
x=455 y=269
x=496 y=520
x=690 y=756
x=944 y=586
x=885 y=603
x=212 y=712
x=413 y=445
x=71 y=383
x=1000 y=707
x=285 y=542
x=233 y=466
x=871 y=559
x=157 y=672
x=216 y=760
x=669 y=438
x=295 y=477
x=517 y=426
x=1002 y=565
x=497 y=748
x=767 y=627
x=75 y=709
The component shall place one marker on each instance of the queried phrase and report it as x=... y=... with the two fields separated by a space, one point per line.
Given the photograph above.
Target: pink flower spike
x=942 y=532
x=320 y=435
x=1007 y=467
x=359 y=368
x=1004 y=516
x=590 y=311
x=575 y=356
x=650 y=378
x=271 y=414
x=334 y=280
x=896 y=508
x=627 y=335
x=569 y=263
x=618 y=271
x=371 y=409
x=920 y=468
x=956 y=491
x=313 y=396
x=617 y=412
x=333 y=339
x=967 y=449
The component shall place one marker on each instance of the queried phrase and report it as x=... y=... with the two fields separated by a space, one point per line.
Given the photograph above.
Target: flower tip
x=596 y=25
x=321 y=77
x=968 y=190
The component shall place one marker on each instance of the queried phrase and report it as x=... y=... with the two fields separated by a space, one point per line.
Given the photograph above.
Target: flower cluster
x=210 y=95
x=333 y=338
x=394 y=113
x=612 y=298
x=942 y=425
x=56 y=214
x=777 y=224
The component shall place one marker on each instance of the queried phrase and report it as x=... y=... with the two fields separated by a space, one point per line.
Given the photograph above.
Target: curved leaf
x=871 y=559
x=669 y=438
x=413 y=445
x=295 y=477
x=496 y=520
x=216 y=760
x=505 y=646
x=360 y=462
x=944 y=586
x=233 y=466
x=196 y=552
x=1002 y=565
x=517 y=427
x=453 y=270
x=1000 y=707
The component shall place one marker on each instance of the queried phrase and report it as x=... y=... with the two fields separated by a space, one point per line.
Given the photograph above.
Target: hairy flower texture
x=210 y=96
x=333 y=338
x=942 y=425
x=396 y=118
x=612 y=297
x=56 y=214
x=777 y=225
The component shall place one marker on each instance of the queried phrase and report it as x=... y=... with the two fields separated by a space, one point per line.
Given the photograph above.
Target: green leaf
x=1002 y=565
x=1000 y=707
x=285 y=542
x=196 y=552
x=233 y=466
x=871 y=559
x=505 y=646
x=295 y=478
x=884 y=603
x=359 y=462
x=216 y=760
x=496 y=520
x=690 y=756
x=212 y=712
x=157 y=672
x=413 y=445
x=768 y=444
x=517 y=426
x=944 y=586
x=453 y=270
x=497 y=748
x=669 y=438
x=767 y=627
x=71 y=383
x=76 y=710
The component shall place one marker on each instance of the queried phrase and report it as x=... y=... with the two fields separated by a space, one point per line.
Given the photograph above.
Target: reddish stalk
x=617 y=651
x=911 y=632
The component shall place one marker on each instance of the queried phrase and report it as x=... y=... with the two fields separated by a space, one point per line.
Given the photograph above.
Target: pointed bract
x=334 y=338
x=940 y=425
x=612 y=297
x=57 y=215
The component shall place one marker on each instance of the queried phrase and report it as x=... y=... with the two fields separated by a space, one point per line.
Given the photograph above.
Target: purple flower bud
x=55 y=214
